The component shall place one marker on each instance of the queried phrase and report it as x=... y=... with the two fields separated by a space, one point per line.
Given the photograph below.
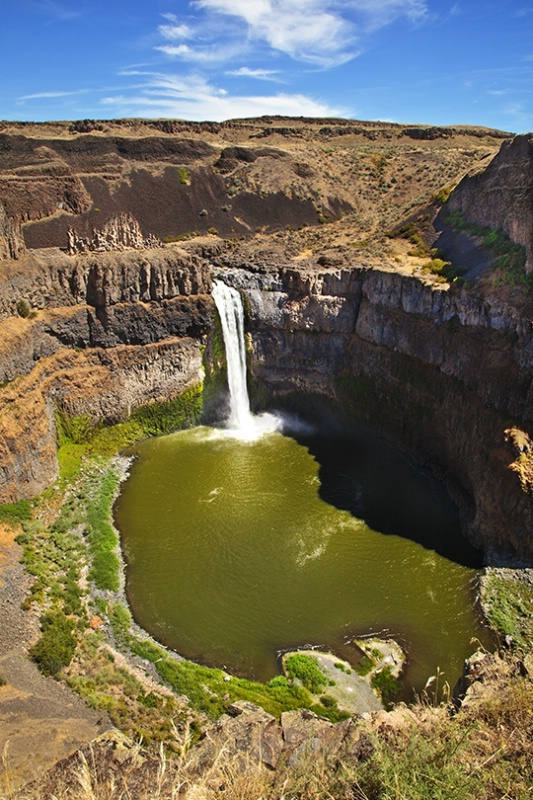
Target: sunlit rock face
x=500 y=196
x=99 y=334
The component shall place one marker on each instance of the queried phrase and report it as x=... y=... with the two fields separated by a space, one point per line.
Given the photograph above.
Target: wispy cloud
x=60 y=11
x=258 y=74
x=176 y=31
x=48 y=95
x=520 y=115
x=211 y=54
x=524 y=11
x=194 y=97
x=326 y=33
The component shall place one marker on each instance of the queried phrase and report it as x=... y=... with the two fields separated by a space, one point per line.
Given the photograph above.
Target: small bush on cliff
x=13 y=513
x=387 y=685
x=57 y=644
x=23 y=309
x=184 y=176
x=444 y=269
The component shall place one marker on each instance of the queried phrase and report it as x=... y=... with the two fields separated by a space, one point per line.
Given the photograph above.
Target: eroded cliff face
x=101 y=335
x=11 y=240
x=500 y=196
x=446 y=373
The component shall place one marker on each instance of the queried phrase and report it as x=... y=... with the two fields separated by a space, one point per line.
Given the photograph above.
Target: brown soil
x=238 y=178
x=41 y=721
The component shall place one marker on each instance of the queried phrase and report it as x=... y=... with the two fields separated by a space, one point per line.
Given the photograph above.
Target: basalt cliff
x=111 y=233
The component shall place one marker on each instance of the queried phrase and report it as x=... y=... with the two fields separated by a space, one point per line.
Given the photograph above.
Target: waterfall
x=241 y=420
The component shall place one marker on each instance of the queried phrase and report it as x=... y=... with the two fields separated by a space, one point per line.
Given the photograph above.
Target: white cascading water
x=241 y=420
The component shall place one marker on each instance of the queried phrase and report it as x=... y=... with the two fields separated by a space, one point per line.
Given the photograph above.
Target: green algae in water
x=233 y=557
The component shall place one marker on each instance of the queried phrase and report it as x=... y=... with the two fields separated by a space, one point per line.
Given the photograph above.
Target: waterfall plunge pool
x=239 y=546
x=234 y=557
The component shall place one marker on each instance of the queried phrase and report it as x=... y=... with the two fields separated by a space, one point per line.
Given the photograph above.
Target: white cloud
x=48 y=95
x=306 y=31
x=175 y=31
x=520 y=115
x=60 y=11
x=323 y=32
x=259 y=74
x=208 y=54
x=193 y=97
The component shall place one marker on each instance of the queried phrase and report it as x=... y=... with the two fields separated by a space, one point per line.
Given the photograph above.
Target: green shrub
x=23 y=309
x=307 y=670
x=445 y=269
x=57 y=644
x=365 y=665
x=387 y=685
x=180 y=237
x=184 y=176
x=443 y=194
x=16 y=512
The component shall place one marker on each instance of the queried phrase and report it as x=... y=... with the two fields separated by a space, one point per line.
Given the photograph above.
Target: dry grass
x=484 y=752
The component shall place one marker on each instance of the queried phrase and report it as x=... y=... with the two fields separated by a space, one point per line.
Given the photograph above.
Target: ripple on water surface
x=232 y=556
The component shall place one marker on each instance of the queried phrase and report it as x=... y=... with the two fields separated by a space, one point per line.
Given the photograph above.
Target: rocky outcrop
x=252 y=739
x=105 y=384
x=51 y=279
x=119 y=233
x=500 y=196
x=11 y=239
x=443 y=371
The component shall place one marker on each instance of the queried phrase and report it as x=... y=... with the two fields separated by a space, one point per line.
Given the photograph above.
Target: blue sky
x=420 y=61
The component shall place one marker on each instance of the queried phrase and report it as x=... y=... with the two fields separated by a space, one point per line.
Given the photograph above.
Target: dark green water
x=232 y=555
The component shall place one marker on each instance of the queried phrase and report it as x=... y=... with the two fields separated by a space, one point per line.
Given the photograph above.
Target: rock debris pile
x=119 y=233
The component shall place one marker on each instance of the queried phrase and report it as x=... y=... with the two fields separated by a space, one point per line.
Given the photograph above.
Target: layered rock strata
x=100 y=335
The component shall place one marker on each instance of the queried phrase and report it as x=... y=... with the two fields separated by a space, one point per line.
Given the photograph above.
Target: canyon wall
x=446 y=373
x=500 y=196
x=98 y=335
